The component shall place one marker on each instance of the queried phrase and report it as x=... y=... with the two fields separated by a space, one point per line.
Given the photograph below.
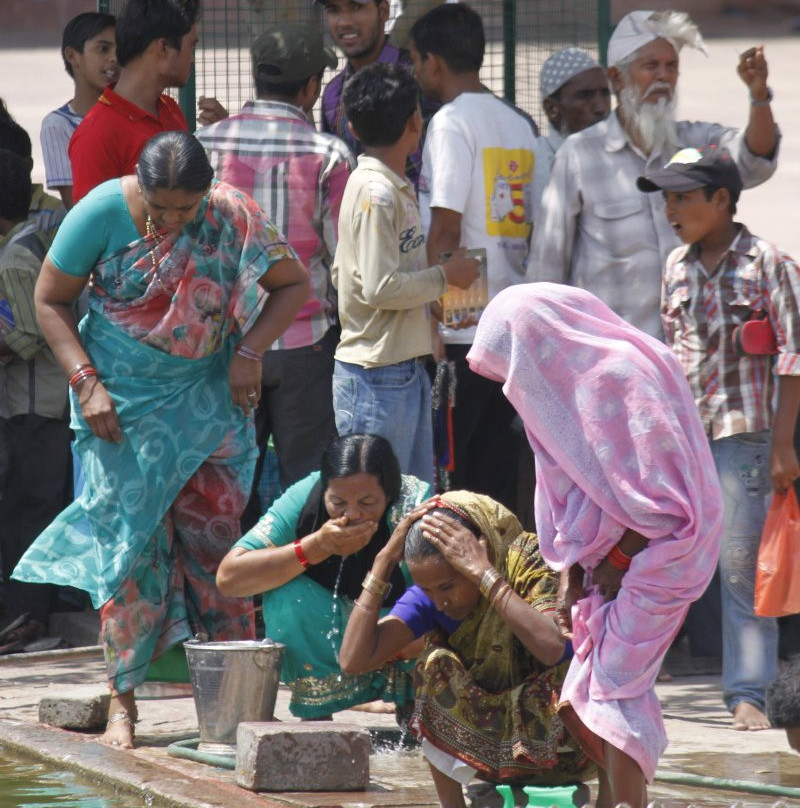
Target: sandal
x=19 y=633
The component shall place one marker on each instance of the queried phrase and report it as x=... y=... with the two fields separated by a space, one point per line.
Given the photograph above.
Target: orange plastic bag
x=778 y=567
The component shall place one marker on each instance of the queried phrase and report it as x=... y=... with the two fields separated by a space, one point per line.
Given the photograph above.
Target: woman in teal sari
x=164 y=373
x=309 y=554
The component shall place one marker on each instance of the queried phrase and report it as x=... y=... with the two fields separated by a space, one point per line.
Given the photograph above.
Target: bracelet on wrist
x=764 y=102
x=247 y=353
x=376 y=586
x=619 y=559
x=488 y=580
x=301 y=556
x=80 y=374
x=374 y=607
x=502 y=594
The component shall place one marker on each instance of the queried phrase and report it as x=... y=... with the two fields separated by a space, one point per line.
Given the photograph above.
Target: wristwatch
x=763 y=103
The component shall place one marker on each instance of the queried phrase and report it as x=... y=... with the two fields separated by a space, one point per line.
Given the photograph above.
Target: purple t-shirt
x=417 y=611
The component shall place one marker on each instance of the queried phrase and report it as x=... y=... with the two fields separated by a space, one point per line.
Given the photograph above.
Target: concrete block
x=87 y=710
x=307 y=756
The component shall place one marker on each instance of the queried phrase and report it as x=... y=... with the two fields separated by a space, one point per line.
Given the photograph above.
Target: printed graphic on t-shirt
x=508 y=175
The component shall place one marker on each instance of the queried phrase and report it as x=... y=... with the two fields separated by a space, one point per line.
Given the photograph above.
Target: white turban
x=640 y=27
x=562 y=66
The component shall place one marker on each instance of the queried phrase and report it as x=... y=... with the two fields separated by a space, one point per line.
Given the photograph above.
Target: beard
x=653 y=125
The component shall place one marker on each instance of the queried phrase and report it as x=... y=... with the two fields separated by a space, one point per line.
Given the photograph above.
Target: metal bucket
x=232 y=682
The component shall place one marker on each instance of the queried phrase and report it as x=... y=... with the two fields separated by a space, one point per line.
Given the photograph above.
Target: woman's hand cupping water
x=337 y=537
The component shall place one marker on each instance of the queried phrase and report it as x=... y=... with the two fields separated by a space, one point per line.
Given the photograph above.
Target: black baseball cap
x=691 y=168
x=291 y=52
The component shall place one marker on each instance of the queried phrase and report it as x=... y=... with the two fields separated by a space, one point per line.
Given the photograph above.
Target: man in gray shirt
x=595 y=229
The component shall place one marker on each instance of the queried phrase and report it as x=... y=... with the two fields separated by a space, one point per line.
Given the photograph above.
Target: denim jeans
x=749 y=643
x=393 y=401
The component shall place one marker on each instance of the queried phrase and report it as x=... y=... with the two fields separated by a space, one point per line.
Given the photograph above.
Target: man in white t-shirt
x=475 y=191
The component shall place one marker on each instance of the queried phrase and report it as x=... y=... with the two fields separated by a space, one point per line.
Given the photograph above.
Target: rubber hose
x=188 y=750
x=702 y=781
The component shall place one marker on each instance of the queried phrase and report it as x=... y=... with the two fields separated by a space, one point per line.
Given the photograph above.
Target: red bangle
x=618 y=559
x=301 y=556
x=81 y=375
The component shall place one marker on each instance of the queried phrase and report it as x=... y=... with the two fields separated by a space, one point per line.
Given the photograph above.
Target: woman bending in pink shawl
x=628 y=506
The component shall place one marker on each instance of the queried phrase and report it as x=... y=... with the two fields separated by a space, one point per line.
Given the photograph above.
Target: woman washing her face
x=494 y=658
x=309 y=554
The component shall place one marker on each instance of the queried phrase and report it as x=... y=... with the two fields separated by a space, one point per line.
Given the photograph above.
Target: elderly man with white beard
x=595 y=229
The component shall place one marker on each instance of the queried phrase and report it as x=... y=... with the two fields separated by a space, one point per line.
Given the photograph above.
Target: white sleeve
x=452 y=158
x=54 y=136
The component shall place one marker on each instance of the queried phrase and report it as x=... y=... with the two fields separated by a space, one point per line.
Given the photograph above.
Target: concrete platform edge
x=122 y=771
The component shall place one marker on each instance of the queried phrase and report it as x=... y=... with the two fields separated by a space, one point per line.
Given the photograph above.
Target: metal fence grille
x=520 y=35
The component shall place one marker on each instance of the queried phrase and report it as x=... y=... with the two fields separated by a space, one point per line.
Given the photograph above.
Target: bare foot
x=375 y=707
x=120 y=731
x=748 y=718
x=121 y=724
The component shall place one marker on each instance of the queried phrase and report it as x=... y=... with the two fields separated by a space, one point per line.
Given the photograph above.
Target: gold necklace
x=152 y=233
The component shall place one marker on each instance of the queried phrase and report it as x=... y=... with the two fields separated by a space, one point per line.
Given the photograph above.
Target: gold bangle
x=376 y=586
x=501 y=596
x=366 y=608
x=489 y=579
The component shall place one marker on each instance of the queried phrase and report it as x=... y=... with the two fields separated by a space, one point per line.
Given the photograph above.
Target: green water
x=34 y=785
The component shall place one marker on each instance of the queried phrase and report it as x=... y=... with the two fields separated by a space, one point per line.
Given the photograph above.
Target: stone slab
x=309 y=756
x=82 y=710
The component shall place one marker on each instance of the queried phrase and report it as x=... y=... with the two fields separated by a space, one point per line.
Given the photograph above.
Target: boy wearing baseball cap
x=721 y=279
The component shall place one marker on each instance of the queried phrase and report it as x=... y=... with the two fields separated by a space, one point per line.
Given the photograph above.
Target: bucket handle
x=264 y=658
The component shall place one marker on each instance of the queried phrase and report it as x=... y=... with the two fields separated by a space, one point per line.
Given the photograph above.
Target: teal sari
x=310 y=620
x=160 y=509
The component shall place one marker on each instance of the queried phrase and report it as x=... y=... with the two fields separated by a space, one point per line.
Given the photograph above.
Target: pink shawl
x=618 y=444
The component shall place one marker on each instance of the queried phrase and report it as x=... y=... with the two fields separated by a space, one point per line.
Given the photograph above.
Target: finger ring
x=251 y=394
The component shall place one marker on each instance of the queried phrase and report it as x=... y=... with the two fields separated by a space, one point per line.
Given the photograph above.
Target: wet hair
x=175 y=161
x=13 y=136
x=143 y=21
x=378 y=100
x=286 y=91
x=418 y=548
x=15 y=180
x=453 y=32
x=79 y=30
x=710 y=190
x=362 y=454
x=783 y=698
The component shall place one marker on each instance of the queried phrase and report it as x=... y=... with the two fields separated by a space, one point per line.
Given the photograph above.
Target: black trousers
x=37 y=488
x=296 y=409
x=486 y=446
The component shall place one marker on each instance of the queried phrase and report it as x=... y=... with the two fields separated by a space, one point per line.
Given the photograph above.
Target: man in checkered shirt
x=595 y=229
x=297 y=175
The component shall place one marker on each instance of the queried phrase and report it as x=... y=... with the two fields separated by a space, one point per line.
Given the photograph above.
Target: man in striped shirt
x=272 y=152
x=89 y=51
x=34 y=427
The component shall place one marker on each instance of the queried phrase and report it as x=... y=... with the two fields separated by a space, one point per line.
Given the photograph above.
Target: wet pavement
x=701 y=743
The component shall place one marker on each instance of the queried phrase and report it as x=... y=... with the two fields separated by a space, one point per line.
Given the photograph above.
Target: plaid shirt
x=297 y=175
x=595 y=229
x=700 y=311
x=335 y=120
